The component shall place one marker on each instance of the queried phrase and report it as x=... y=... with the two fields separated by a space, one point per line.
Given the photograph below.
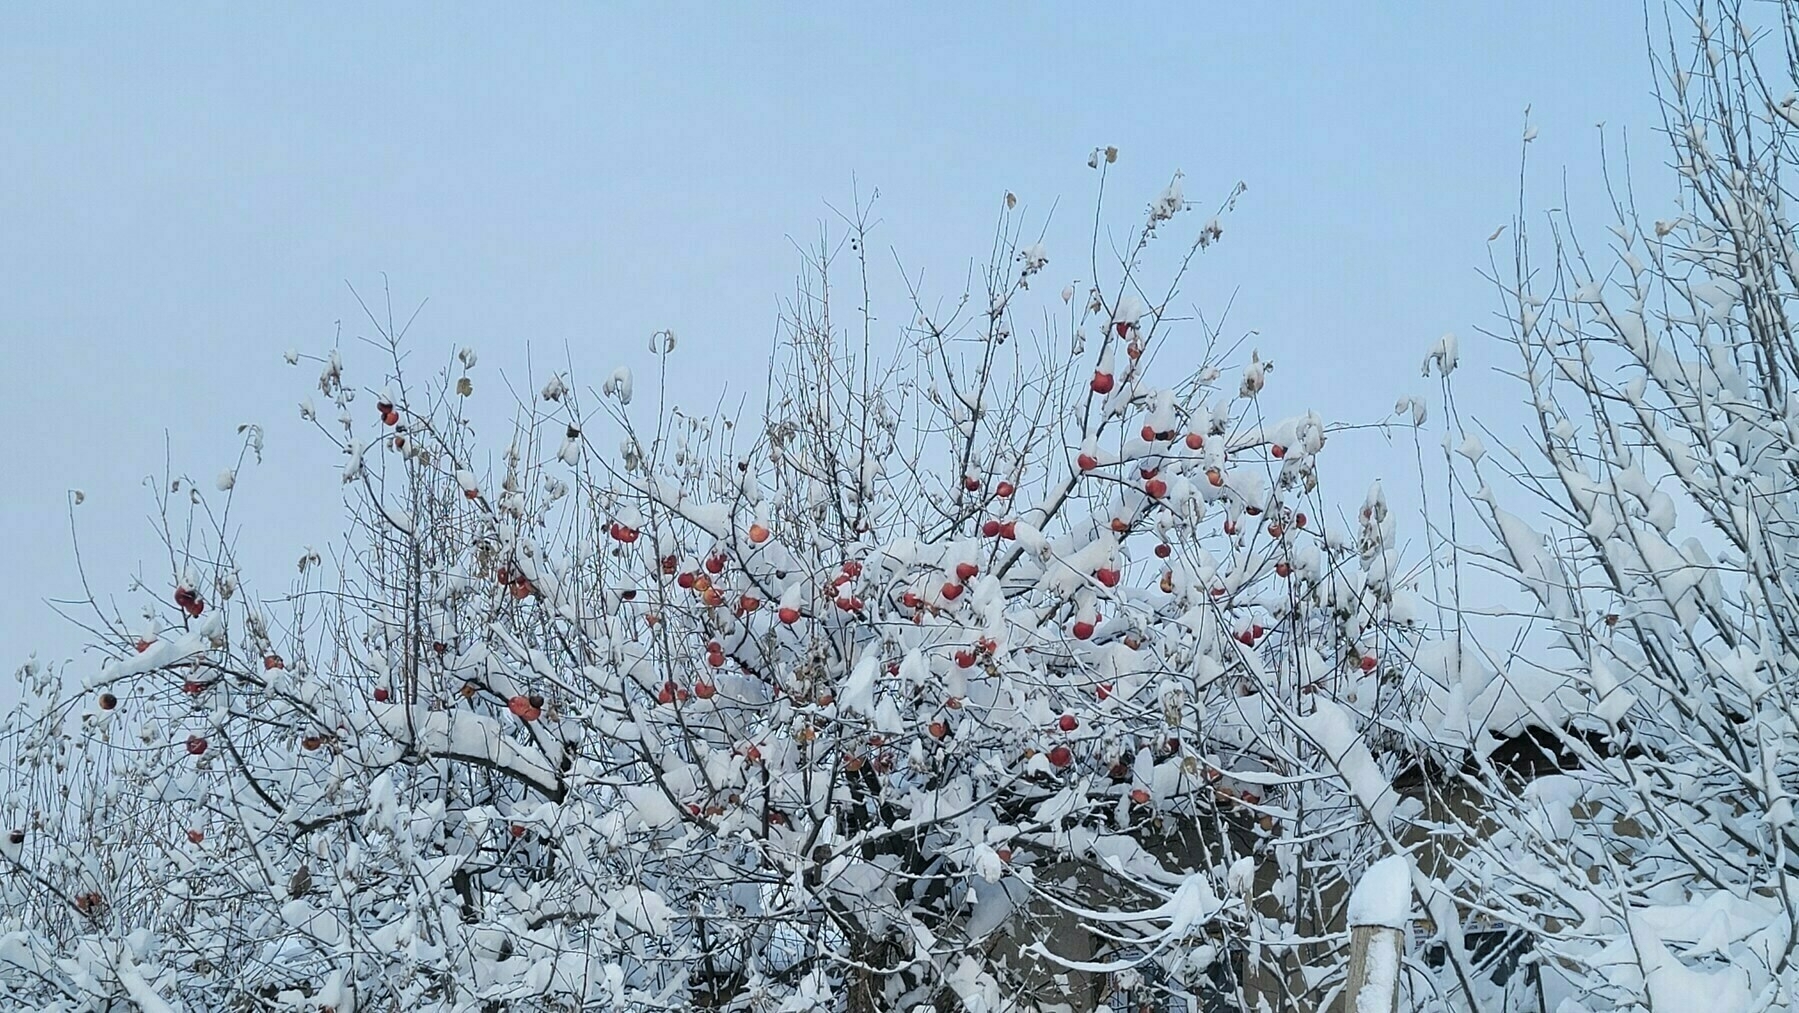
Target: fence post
x=1380 y=907
x=1373 y=969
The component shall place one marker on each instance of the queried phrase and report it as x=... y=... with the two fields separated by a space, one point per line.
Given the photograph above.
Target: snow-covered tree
x=999 y=663
x=1654 y=864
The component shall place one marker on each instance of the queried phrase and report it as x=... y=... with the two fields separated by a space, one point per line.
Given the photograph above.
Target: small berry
x=1368 y=662
x=1164 y=550
x=1156 y=488
x=1102 y=383
x=311 y=742
x=952 y=591
x=971 y=483
x=1139 y=796
x=939 y=729
x=1061 y=756
x=1004 y=490
x=966 y=571
x=704 y=690
x=382 y=694
x=195 y=836
x=1068 y=722
x=758 y=534
x=1283 y=569
x=990 y=529
x=1195 y=441
x=1214 y=476
x=1278 y=451
x=1083 y=629
x=108 y=701
x=195 y=745
x=1087 y=462
x=964 y=659
x=1149 y=434
x=790 y=615
x=1107 y=576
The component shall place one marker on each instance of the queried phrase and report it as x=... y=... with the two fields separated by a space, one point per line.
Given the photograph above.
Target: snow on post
x=1379 y=909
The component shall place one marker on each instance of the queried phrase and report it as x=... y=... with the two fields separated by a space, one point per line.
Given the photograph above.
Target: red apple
x=1087 y=462
x=990 y=529
x=1083 y=629
x=952 y=591
x=966 y=571
x=195 y=836
x=1004 y=490
x=971 y=483
x=1278 y=451
x=1368 y=662
x=1102 y=383
x=195 y=745
x=1061 y=756
x=704 y=690
x=758 y=534
x=1148 y=434
x=964 y=659
x=715 y=563
x=1139 y=796
x=1214 y=476
x=108 y=701
x=790 y=615
x=1156 y=488
x=1068 y=722
x=1107 y=576
x=1195 y=441
x=1283 y=569
x=1164 y=550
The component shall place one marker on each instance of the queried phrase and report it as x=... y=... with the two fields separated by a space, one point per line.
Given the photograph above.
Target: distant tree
x=970 y=640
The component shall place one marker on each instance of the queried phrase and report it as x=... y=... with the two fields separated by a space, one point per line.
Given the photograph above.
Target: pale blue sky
x=183 y=194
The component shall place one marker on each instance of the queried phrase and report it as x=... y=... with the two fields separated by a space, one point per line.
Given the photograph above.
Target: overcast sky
x=185 y=192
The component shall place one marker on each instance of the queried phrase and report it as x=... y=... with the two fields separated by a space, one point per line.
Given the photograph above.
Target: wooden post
x=1374 y=952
